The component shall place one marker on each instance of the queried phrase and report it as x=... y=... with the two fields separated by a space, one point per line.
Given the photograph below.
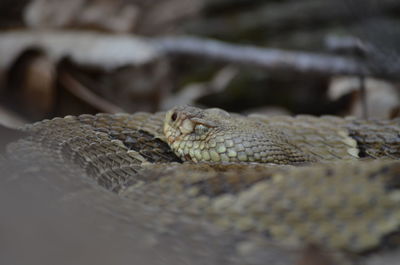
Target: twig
x=88 y=96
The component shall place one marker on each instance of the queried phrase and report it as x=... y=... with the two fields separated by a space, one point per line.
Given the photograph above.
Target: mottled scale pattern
x=326 y=137
x=319 y=204
x=378 y=139
x=216 y=136
x=106 y=146
x=332 y=138
x=339 y=202
x=138 y=132
x=344 y=205
x=239 y=147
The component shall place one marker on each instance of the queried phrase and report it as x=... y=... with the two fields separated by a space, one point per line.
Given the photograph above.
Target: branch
x=268 y=59
x=110 y=51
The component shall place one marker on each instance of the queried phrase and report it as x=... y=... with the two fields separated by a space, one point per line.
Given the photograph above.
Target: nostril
x=174 y=116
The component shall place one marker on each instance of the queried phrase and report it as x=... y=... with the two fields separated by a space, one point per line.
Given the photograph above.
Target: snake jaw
x=186 y=126
x=177 y=125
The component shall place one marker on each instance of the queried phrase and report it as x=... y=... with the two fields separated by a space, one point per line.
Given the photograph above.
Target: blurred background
x=88 y=56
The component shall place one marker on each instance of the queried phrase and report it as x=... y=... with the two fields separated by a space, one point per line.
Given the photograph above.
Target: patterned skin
x=215 y=135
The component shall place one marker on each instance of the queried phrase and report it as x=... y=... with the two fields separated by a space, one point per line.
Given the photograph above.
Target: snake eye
x=200 y=129
x=174 y=116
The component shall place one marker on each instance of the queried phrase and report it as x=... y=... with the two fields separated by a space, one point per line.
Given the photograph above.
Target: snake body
x=332 y=199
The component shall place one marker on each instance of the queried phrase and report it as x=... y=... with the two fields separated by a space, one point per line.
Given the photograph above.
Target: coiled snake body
x=343 y=195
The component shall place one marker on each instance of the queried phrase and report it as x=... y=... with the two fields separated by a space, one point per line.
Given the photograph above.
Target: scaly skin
x=215 y=135
x=349 y=205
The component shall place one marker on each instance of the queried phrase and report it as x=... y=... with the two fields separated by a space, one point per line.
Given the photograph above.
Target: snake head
x=187 y=127
x=189 y=122
x=215 y=135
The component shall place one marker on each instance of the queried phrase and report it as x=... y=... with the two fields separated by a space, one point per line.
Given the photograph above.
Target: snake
x=323 y=180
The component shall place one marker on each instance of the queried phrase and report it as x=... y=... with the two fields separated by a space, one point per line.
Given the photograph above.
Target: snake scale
x=294 y=180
